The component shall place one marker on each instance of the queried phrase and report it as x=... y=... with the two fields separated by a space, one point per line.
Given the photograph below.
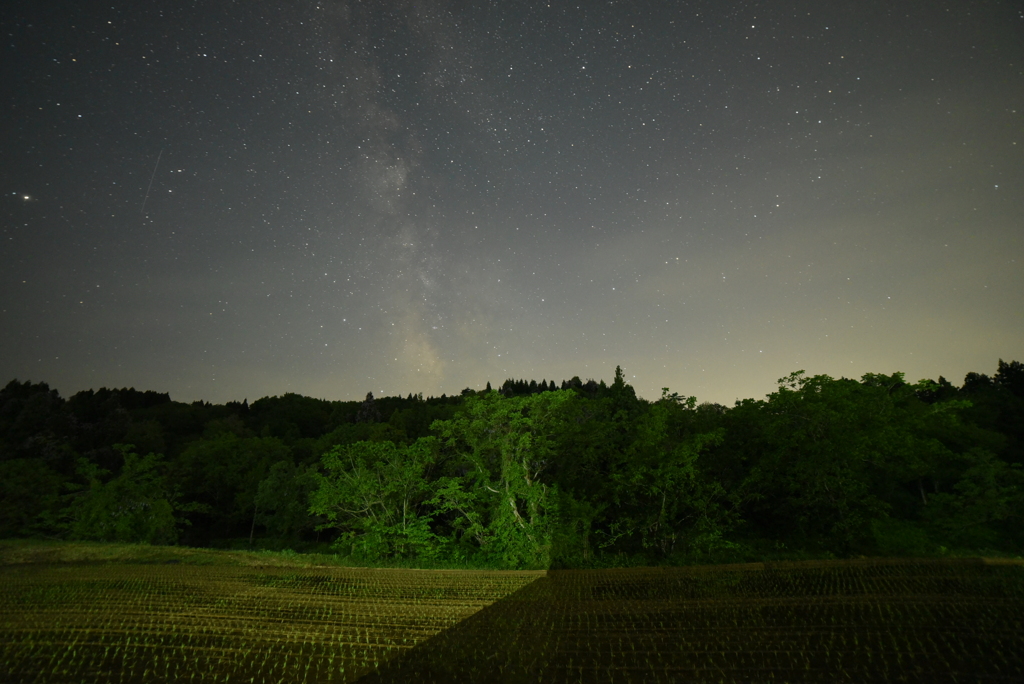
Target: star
x=430 y=183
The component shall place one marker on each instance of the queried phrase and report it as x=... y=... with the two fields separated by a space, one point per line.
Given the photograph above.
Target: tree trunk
x=252 y=530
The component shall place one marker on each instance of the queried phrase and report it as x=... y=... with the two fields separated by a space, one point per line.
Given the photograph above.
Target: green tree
x=988 y=491
x=834 y=456
x=818 y=444
x=506 y=444
x=223 y=472
x=663 y=498
x=30 y=498
x=373 y=493
x=282 y=500
x=135 y=506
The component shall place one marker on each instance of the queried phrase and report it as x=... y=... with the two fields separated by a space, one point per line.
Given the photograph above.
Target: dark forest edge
x=581 y=475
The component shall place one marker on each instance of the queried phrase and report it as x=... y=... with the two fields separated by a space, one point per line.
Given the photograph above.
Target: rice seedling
x=126 y=623
x=842 y=621
x=838 y=621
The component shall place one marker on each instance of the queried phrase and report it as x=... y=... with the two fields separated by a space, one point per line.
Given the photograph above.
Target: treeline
x=531 y=475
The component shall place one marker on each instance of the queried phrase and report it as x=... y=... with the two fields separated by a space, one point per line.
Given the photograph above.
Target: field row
x=926 y=622
x=137 y=623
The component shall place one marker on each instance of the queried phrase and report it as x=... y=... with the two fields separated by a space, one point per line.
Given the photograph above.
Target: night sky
x=228 y=200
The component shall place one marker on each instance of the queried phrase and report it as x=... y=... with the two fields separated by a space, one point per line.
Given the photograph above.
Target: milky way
x=230 y=200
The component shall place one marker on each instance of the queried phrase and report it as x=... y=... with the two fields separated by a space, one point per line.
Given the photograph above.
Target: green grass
x=18 y=551
x=122 y=613
x=21 y=551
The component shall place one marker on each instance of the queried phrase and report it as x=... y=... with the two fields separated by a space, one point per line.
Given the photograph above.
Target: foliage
x=372 y=493
x=223 y=471
x=30 y=498
x=666 y=501
x=281 y=504
x=989 y=490
x=134 y=506
x=507 y=443
x=834 y=453
x=589 y=475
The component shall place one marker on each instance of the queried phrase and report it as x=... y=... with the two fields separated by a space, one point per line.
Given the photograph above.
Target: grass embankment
x=21 y=551
x=108 y=613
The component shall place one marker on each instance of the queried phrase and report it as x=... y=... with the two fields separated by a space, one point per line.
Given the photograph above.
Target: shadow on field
x=485 y=647
x=837 y=621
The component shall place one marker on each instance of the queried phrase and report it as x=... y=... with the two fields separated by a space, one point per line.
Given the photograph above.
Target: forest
x=531 y=475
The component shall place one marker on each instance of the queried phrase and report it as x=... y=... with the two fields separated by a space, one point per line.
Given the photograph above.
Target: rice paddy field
x=182 y=623
x=836 y=621
x=832 y=621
